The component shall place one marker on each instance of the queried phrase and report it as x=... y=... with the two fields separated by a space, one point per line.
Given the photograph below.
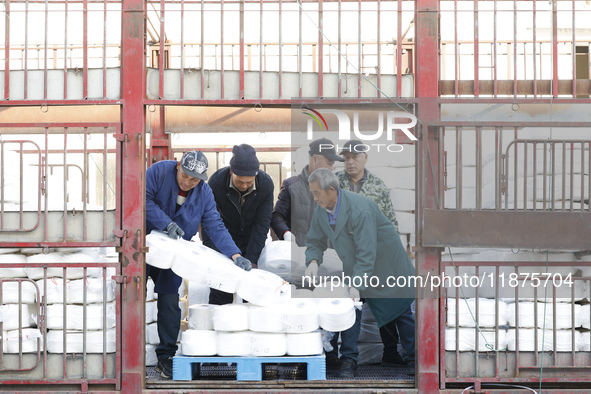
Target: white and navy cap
x=194 y=163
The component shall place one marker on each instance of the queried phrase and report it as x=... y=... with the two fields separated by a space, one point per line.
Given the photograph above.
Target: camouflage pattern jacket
x=375 y=189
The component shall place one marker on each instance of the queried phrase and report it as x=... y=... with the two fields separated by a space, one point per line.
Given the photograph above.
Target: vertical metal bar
x=105 y=49
x=45 y=52
x=2 y=167
x=572 y=175
x=544 y=175
x=105 y=184
x=583 y=177
x=458 y=167
x=457 y=333
x=202 y=50
x=105 y=325
x=379 y=49
x=162 y=52
x=261 y=50
x=222 y=47
x=66 y=50
x=399 y=50
x=495 y=87
x=515 y=184
x=497 y=172
x=563 y=191
x=535 y=175
x=320 y=49
x=66 y=172
x=85 y=48
x=21 y=182
x=26 y=56
x=300 y=77
x=241 y=50
x=280 y=50
x=534 y=57
x=359 y=54
x=477 y=313
x=589 y=191
x=574 y=55
x=478 y=168
x=84 y=318
x=515 y=51
x=6 y=51
x=183 y=53
x=84 y=183
x=553 y=182
x=554 y=50
x=339 y=46
x=525 y=146
x=45 y=158
x=476 y=52
x=456 y=50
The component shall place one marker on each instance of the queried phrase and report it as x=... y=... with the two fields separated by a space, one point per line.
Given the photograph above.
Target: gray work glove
x=174 y=231
x=243 y=262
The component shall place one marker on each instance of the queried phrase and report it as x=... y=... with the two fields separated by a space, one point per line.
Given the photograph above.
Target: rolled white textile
x=306 y=344
x=277 y=257
x=302 y=293
x=336 y=314
x=10 y=319
x=29 y=340
x=223 y=276
x=300 y=315
x=75 y=316
x=201 y=317
x=527 y=340
x=233 y=343
x=267 y=344
x=152 y=334
x=94 y=290
x=151 y=311
x=230 y=317
x=10 y=292
x=162 y=250
x=198 y=293
x=199 y=343
x=467 y=312
x=467 y=339
x=260 y=287
x=151 y=358
x=527 y=316
x=74 y=341
x=266 y=318
x=55 y=290
x=8 y=259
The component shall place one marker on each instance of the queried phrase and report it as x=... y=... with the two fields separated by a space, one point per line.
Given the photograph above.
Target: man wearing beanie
x=244 y=198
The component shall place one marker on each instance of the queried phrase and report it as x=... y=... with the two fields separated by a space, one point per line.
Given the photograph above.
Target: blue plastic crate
x=249 y=368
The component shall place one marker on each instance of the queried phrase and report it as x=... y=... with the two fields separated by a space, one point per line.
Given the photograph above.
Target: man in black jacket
x=244 y=198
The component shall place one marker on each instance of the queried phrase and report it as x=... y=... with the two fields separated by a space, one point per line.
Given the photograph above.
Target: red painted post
x=7 y=50
x=427 y=259
x=132 y=171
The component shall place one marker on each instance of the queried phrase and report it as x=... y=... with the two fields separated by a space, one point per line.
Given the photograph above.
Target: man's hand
x=243 y=262
x=288 y=236
x=312 y=270
x=174 y=231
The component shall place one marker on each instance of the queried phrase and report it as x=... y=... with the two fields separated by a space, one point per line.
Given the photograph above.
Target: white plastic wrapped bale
x=75 y=340
x=29 y=340
x=199 y=343
x=231 y=317
x=306 y=344
x=6 y=260
x=151 y=358
x=152 y=334
x=525 y=311
x=94 y=291
x=55 y=290
x=369 y=333
x=336 y=314
x=87 y=255
x=584 y=341
x=151 y=311
x=201 y=317
x=11 y=251
x=467 y=312
x=403 y=200
x=266 y=318
x=300 y=315
x=75 y=316
x=10 y=292
x=545 y=340
x=233 y=343
x=467 y=339
x=150 y=295
x=261 y=287
x=36 y=273
x=161 y=250
x=583 y=317
x=9 y=316
x=267 y=344
x=406 y=222
x=284 y=259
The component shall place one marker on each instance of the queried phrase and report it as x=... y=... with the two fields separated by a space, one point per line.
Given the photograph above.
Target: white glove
x=288 y=236
x=312 y=270
x=354 y=294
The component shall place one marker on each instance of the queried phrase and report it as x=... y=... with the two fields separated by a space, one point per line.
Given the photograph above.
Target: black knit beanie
x=244 y=162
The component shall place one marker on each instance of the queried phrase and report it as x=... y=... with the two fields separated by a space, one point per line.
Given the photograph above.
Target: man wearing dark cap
x=356 y=178
x=295 y=204
x=177 y=201
x=244 y=198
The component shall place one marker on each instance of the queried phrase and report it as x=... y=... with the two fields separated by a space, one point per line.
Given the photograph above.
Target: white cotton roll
x=8 y=259
x=162 y=250
x=260 y=287
x=527 y=315
x=223 y=276
x=306 y=344
x=199 y=343
x=55 y=290
x=9 y=316
x=201 y=317
x=75 y=340
x=266 y=344
x=336 y=314
x=231 y=317
x=276 y=257
x=300 y=315
x=75 y=316
x=29 y=340
x=266 y=318
x=152 y=334
x=10 y=292
x=303 y=293
x=233 y=343
x=198 y=293
x=94 y=290
x=467 y=339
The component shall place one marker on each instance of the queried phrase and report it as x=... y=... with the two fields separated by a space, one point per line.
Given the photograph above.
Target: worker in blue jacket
x=177 y=201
